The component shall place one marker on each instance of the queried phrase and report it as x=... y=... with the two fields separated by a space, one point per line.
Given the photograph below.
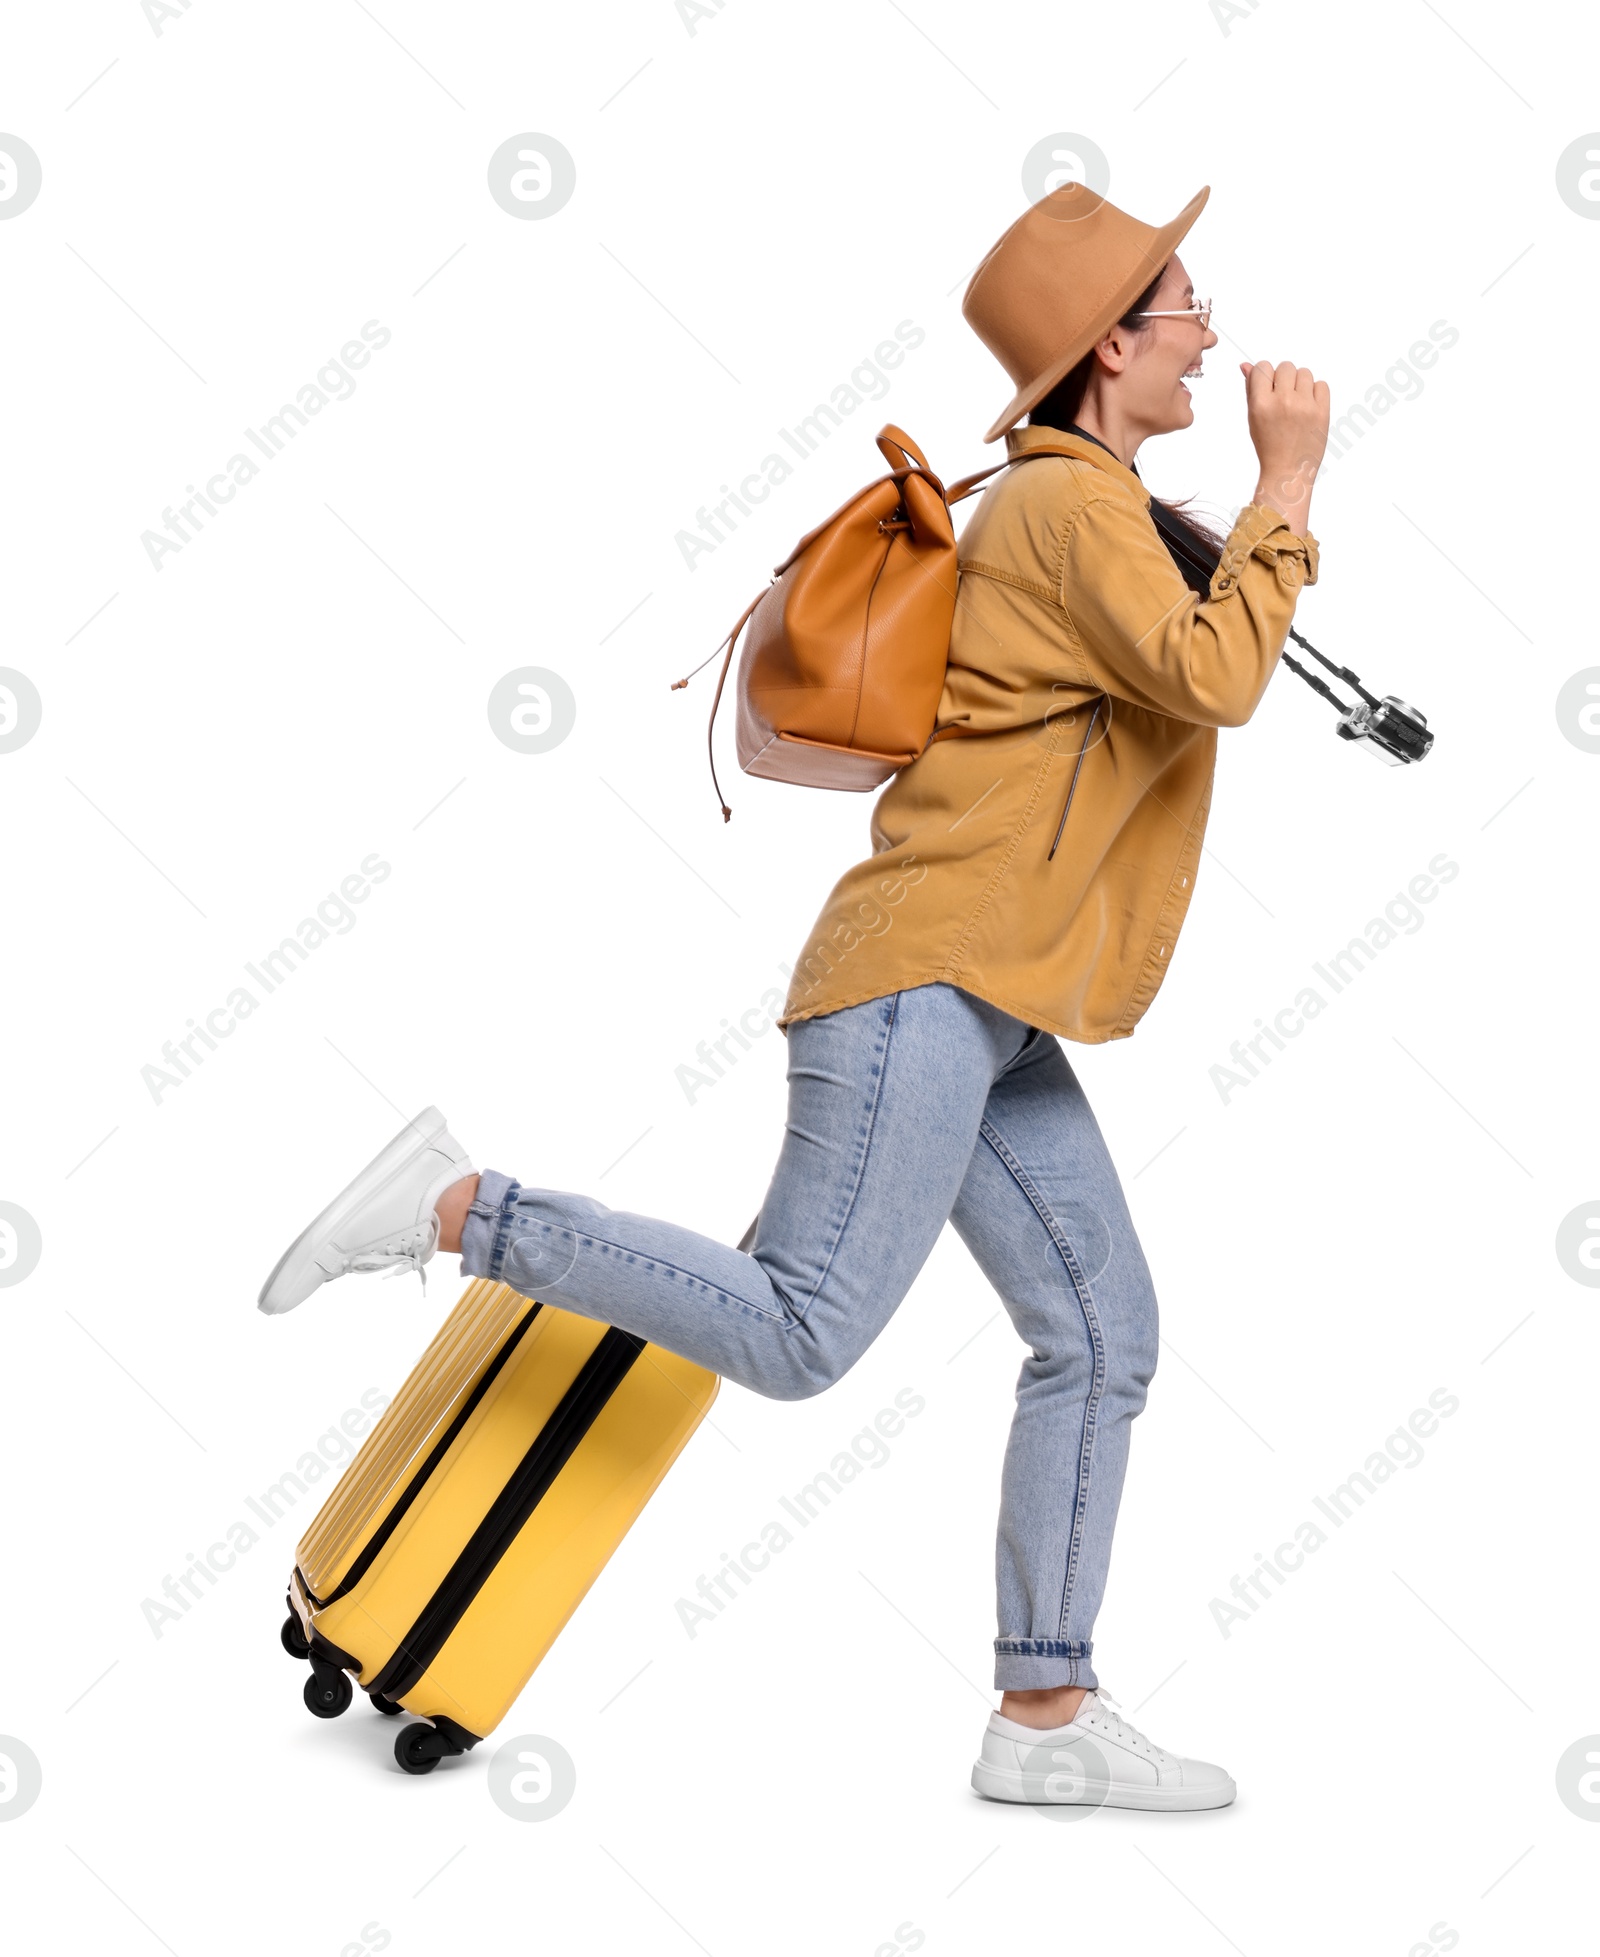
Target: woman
x=1086 y=679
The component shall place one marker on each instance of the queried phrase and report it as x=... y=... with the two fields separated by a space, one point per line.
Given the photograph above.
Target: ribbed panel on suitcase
x=486 y=1500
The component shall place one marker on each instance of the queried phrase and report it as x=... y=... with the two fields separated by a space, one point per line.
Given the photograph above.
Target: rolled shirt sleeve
x=1147 y=638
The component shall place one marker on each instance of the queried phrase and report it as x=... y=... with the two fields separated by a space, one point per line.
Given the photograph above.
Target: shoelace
x=398 y=1263
x=412 y=1260
x=1123 y=1730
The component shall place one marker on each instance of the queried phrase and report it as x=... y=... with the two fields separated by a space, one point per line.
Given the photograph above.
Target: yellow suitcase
x=479 y=1510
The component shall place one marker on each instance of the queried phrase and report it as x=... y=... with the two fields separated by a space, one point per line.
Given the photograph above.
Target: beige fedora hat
x=1058 y=281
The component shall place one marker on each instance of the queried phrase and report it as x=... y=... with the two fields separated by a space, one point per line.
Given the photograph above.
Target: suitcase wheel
x=386 y=1706
x=328 y=1691
x=419 y=1748
x=293 y=1639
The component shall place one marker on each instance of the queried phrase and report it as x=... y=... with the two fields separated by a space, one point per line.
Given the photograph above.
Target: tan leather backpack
x=844 y=662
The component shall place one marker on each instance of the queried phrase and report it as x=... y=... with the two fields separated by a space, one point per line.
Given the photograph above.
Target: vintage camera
x=1389 y=728
x=1394 y=732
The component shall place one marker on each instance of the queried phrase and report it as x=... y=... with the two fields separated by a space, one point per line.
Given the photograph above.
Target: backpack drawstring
x=722 y=680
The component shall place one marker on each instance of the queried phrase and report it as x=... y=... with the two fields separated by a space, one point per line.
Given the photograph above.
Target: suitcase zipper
x=414 y=1487
x=581 y=1405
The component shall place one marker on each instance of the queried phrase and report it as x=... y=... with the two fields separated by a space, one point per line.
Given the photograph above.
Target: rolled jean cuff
x=486 y=1228
x=1032 y=1664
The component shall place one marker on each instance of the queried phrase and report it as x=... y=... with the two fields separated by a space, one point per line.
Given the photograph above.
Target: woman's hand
x=1289 y=427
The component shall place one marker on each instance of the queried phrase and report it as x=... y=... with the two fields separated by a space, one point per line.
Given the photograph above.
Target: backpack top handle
x=892 y=442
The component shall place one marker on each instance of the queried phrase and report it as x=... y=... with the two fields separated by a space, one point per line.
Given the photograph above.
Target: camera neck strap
x=1189 y=556
x=1186 y=553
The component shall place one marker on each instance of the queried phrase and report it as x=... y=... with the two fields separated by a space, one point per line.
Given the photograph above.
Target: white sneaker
x=1098 y=1760
x=385 y=1218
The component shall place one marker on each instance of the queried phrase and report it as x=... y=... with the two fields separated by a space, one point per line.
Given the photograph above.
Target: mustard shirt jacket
x=1067 y=597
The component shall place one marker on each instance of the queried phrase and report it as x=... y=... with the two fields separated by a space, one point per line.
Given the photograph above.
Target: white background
x=305 y=683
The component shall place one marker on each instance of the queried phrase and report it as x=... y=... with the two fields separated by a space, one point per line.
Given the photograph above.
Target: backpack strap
x=959 y=491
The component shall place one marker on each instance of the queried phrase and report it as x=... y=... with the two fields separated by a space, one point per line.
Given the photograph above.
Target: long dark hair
x=1059 y=409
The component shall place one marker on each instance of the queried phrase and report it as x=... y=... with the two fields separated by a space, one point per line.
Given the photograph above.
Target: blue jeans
x=903 y=1112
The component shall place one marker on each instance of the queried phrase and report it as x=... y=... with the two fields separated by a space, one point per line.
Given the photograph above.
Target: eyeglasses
x=1201 y=312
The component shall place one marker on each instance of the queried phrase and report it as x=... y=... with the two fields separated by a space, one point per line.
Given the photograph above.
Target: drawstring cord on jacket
x=1088 y=734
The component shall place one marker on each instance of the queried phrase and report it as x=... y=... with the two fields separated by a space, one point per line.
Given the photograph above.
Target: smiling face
x=1132 y=383
x=1161 y=352
x=1136 y=384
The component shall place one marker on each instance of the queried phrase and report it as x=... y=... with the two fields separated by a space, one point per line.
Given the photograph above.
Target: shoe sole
x=418 y=1134
x=1008 y=1784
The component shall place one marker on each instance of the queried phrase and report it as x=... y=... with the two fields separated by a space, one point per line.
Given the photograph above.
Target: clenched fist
x=1289 y=412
